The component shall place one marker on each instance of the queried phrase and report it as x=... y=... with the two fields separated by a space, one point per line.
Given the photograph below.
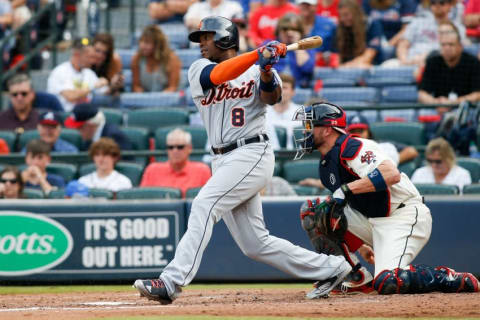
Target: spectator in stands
x=328 y=9
x=298 y=63
x=35 y=175
x=21 y=13
x=92 y=125
x=393 y=14
x=421 y=35
x=73 y=81
x=203 y=9
x=105 y=153
x=178 y=172
x=250 y=6
x=155 y=67
x=162 y=11
x=281 y=114
x=241 y=23
x=108 y=64
x=472 y=20
x=441 y=168
x=263 y=21
x=453 y=75
x=11 y=183
x=278 y=187
x=21 y=116
x=316 y=25
x=49 y=129
x=358 y=41
x=456 y=12
x=6 y=17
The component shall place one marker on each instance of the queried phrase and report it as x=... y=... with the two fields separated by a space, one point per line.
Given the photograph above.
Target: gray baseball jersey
x=242 y=114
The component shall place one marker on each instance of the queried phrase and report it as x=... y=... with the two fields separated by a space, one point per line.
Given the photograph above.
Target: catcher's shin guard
x=423 y=279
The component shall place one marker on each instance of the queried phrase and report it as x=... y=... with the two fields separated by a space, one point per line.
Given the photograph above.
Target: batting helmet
x=225 y=32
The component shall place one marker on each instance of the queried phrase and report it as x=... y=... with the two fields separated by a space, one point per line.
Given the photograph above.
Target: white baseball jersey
x=232 y=110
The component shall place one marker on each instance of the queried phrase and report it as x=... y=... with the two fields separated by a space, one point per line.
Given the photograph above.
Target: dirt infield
x=241 y=302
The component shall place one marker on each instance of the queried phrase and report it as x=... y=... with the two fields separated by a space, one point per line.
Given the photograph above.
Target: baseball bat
x=304 y=44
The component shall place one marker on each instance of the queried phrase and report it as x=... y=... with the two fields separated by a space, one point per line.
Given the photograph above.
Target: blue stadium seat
x=188 y=56
x=404 y=74
x=347 y=73
x=473 y=49
x=334 y=77
x=323 y=73
x=408 y=115
x=127 y=73
x=400 y=94
x=126 y=56
x=353 y=95
x=338 y=83
x=152 y=99
x=177 y=34
x=302 y=95
x=183 y=79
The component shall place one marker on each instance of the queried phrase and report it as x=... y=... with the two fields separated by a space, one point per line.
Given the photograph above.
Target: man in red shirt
x=178 y=172
x=263 y=21
x=472 y=19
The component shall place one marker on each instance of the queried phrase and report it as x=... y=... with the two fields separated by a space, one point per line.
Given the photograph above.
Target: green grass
x=118 y=288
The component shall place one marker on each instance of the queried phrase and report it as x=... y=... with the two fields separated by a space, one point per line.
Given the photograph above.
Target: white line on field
x=82 y=308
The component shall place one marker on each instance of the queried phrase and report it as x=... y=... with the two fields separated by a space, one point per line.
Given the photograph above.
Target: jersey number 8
x=238 y=117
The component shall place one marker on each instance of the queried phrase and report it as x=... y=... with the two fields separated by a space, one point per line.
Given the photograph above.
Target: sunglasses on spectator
x=434 y=161
x=12 y=181
x=179 y=147
x=442 y=2
x=22 y=93
x=289 y=28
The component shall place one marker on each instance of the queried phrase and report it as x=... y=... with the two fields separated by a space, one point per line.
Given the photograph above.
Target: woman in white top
x=441 y=168
x=105 y=153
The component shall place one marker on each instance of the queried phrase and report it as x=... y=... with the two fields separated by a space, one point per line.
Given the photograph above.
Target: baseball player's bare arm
x=389 y=172
x=269 y=97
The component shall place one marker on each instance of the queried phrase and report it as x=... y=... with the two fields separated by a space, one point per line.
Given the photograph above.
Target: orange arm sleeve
x=232 y=68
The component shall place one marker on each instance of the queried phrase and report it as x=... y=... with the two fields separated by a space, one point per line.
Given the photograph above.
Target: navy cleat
x=153 y=290
x=323 y=287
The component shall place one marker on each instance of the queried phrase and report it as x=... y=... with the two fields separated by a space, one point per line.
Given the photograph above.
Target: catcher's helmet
x=225 y=32
x=320 y=114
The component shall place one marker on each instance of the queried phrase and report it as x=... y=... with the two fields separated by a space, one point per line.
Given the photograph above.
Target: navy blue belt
x=235 y=145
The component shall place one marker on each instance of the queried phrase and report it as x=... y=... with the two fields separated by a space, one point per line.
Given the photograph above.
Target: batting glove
x=280 y=48
x=267 y=63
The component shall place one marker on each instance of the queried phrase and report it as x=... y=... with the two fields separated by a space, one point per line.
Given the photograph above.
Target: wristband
x=268 y=86
x=346 y=190
x=377 y=180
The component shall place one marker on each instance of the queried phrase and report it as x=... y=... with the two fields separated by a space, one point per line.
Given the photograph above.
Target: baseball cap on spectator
x=357 y=122
x=82 y=113
x=75 y=189
x=50 y=119
x=310 y=2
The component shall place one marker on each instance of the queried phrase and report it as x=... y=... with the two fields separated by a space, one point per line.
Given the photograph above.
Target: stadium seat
x=67 y=171
x=281 y=136
x=472 y=165
x=56 y=194
x=337 y=83
x=31 y=193
x=381 y=77
x=132 y=170
x=199 y=136
x=155 y=118
x=149 y=193
x=323 y=73
x=85 y=169
x=400 y=94
x=100 y=193
x=39 y=79
x=331 y=78
x=427 y=188
x=350 y=95
x=113 y=116
x=348 y=73
x=26 y=137
x=277 y=169
x=137 y=136
x=302 y=95
x=183 y=79
x=192 y=192
x=177 y=34
x=126 y=55
x=309 y=191
x=127 y=73
x=405 y=132
x=471 y=188
x=188 y=56
x=72 y=136
x=9 y=138
x=407 y=115
x=408 y=168
x=294 y=171
x=152 y=99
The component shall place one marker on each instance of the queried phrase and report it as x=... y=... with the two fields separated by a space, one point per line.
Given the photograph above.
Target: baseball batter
x=374 y=204
x=231 y=94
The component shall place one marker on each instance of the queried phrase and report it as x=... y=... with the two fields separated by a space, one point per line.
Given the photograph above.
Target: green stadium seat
x=294 y=171
x=56 y=194
x=408 y=168
x=67 y=171
x=199 y=136
x=310 y=191
x=9 y=138
x=192 y=192
x=31 y=193
x=472 y=165
x=100 y=193
x=137 y=136
x=410 y=133
x=72 y=136
x=113 y=116
x=277 y=170
x=282 y=136
x=427 y=188
x=471 y=188
x=154 y=118
x=132 y=170
x=26 y=137
x=85 y=169
x=149 y=193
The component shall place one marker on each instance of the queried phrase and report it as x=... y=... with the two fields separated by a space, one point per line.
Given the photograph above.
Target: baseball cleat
x=323 y=287
x=153 y=290
x=359 y=282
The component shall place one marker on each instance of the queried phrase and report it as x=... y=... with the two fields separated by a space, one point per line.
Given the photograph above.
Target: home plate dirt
x=241 y=302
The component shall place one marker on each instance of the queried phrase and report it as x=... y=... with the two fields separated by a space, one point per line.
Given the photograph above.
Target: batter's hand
x=280 y=48
x=267 y=63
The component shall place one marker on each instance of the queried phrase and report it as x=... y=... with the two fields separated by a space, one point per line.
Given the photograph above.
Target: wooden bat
x=304 y=44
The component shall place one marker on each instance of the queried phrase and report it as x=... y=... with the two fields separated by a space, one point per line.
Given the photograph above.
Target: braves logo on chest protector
x=225 y=92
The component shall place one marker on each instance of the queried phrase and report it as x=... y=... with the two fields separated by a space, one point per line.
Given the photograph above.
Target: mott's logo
x=31 y=243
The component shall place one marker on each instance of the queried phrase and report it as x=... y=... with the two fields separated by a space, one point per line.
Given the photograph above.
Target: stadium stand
x=440 y=189
x=154 y=118
x=149 y=193
x=152 y=99
x=408 y=133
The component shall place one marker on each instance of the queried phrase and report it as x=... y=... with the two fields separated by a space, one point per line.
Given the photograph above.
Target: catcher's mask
x=318 y=114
